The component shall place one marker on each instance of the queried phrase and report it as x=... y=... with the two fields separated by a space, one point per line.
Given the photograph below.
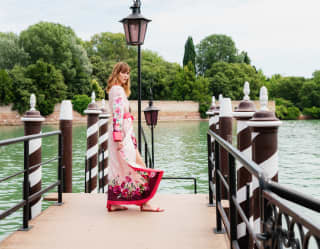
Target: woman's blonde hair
x=114 y=77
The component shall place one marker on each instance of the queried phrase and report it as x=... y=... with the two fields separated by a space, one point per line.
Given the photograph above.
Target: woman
x=130 y=182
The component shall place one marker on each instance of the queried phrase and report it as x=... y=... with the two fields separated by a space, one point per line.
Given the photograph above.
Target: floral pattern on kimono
x=129 y=183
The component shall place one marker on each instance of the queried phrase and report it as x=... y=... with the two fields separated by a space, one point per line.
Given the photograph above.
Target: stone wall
x=169 y=111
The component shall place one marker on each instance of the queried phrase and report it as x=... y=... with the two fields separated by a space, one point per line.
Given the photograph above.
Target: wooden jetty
x=84 y=222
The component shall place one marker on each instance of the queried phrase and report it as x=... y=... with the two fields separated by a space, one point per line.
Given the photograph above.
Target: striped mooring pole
x=92 y=146
x=225 y=131
x=264 y=126
x=103 y=148
x=243 y=113
x=66 y=132
x=32 y=125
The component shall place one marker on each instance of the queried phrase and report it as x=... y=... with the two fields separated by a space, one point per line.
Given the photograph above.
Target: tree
x=10 y=51
x=6 y=95
x=189 y=53
x=59 y=46
x=110 y=46
x=228 y=79
x=215 y=48
x=95 y=87
x=309 y=95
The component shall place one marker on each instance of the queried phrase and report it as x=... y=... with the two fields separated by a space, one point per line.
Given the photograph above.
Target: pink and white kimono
x=129 y=183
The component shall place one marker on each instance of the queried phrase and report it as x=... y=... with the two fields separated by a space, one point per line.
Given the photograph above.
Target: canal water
x=180 y=150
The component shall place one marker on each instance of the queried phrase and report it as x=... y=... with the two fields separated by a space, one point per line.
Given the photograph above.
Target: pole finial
x=246 y=91
x=32 y=102
x=213 y=102
x=103 y=103
x=93 y=97
x=263 y=99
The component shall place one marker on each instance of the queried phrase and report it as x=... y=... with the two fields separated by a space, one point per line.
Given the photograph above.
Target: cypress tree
x=189 y=53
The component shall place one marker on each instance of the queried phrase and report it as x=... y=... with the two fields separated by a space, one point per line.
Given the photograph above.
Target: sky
x=280 y=36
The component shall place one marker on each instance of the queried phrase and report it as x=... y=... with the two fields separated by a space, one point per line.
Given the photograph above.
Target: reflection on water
x=180 y=150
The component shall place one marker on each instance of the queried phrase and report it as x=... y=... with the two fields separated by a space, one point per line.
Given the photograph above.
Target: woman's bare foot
x=112 y=208
x=148 y=208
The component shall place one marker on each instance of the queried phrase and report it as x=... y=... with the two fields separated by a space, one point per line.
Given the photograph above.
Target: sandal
x=151 y=210
x=117 y=209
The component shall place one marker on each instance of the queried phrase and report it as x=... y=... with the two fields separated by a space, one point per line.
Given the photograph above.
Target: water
x=180 y=150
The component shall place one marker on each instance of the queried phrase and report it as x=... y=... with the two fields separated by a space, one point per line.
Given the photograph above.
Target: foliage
x=228 y=79
x=286 y=110
x=310 y=94
x=6 y=89
x=95 y=87
x=215 y=48
x=314 y=112
x=59 y=46
x=189 y=53
x=80 y=103
x=11 y=52
x=42 y=79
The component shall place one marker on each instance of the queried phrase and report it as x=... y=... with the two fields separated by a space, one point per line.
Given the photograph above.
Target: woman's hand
x=119 y=145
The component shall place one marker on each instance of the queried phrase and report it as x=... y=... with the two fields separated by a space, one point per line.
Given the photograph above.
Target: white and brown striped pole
x=264 y=126
x=92 y=146
x=225 y=131
x=66 y=133
x=243 y=113
x=32 y=125
x=103 y=148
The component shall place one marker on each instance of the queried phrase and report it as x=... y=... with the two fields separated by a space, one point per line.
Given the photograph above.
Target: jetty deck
x=83 y=222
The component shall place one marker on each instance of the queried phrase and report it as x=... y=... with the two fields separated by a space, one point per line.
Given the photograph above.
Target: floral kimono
x=129 y=183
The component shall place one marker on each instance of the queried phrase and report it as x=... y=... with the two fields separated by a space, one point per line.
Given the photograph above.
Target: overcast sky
x=280 y=36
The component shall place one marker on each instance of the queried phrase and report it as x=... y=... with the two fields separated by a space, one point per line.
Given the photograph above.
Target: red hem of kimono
x=142 y=201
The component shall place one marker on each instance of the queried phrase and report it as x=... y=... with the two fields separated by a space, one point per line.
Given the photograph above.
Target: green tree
x=309 y=94
x=189 y=53
x=228 y=79
x=59 y=46
x=215 y=48
x=11 y=52
x=95 y=87
x=6 y=95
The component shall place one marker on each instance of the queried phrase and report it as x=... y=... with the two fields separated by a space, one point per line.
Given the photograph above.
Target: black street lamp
x=135 y=28
x=151 y=116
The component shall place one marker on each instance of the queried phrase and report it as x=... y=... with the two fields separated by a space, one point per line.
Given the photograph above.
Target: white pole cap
x=66 y=110
x=225 y=108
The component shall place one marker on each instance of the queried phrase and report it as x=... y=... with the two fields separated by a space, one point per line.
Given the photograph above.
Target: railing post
x=264 y=150
x=92 y=144
x=225 y=131
x=26 y=207
x=146 y=153
x=66 y=133
x=233 y=193
x=243 y=113
x=60 y=169
x=103 y=145
x=210 y=166
x=32 y=125
x=218 y=229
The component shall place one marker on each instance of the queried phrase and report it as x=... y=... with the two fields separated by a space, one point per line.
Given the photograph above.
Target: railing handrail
x=29 y=137
x=253 y=168
x=27 y=198
x=273 y=195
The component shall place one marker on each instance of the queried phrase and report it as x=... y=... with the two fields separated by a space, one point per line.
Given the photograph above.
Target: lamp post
x=151 y=116
x=135 y=27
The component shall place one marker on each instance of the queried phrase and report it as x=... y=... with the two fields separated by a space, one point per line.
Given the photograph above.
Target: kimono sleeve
x=118 y=111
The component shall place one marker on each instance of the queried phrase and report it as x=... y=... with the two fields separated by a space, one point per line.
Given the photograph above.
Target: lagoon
x=180 y=150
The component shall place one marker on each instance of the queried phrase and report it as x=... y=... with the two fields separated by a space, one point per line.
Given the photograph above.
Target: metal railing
x=25 y=203
x=149 y=164
x=282 y=226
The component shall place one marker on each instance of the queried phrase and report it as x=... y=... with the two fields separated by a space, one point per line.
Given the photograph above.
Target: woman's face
x=123 y=77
